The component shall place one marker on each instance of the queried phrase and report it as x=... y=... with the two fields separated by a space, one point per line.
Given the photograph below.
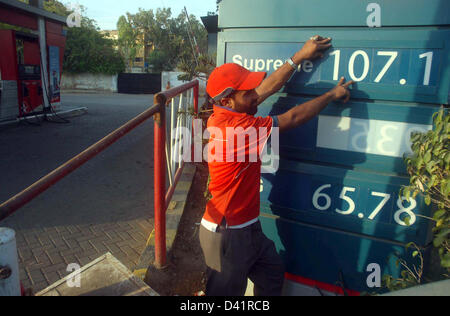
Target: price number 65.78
x=322 y=202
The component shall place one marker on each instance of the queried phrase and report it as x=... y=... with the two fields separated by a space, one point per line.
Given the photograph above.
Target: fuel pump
x=21 y=82
x=29 y=74
x=31 y=88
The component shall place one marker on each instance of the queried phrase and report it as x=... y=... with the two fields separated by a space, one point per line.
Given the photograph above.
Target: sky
x=107 y=12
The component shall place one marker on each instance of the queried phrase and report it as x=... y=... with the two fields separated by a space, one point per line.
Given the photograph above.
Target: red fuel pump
x=21 y=74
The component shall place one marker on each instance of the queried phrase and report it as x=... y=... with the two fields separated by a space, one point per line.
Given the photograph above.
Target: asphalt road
x=111 y=193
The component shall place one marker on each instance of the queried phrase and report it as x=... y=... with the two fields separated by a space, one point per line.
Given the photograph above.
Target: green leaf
x=407 y=193
x=430 y=167
x=407 y=220
x=415 y=254
x=439 y=214
x=445 y=262
x=447 y=188
x=427 y=157
x=447 y=158
x=440 y=238
x=427 y=200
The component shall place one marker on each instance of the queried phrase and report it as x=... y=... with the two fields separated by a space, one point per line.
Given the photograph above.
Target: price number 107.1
x=392 y=58
x=322 y=202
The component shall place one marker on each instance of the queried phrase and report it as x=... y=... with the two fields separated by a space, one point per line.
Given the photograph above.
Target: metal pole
x=172 y=140
x=160 y=182
x=43 y=51
x=196 y=89
x=9 y=266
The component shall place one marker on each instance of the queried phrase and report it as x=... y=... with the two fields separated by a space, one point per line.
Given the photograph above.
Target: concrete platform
x=441 y=288
x=105 y=276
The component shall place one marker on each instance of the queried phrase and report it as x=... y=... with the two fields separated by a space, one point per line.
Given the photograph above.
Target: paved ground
x=105 y=206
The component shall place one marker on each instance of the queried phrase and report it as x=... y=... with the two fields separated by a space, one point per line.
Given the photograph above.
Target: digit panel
x=394 y=64
x=331 y=256
x=363 y=203
x=351 y=13
x=360 y=135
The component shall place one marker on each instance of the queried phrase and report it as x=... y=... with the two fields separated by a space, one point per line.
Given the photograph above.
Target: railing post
x=160 y=182
x=196 y=88
x=9 y=266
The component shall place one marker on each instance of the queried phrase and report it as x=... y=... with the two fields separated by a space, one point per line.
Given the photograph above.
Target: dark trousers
x=235 y=255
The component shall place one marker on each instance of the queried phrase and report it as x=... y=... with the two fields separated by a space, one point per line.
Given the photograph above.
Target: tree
x=127 y=41
x=206 y=64
x=88 y=51
x=158 y=31
x=429 y=170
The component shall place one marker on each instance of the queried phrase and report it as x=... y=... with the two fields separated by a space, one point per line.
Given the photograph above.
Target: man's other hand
x=341 y=91
x=313 y=49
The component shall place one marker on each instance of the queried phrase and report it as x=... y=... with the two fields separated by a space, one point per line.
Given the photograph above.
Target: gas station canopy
x=21 y=14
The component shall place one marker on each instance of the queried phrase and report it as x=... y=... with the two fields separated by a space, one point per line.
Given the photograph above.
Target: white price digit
x=351 y=65
x=408 y=211
x=362 y=135
x=429 y=62
x=380 y=206
x=318 y=195
x=391 y=60
x=350 y=202
x=386 y=138
x=337 y=60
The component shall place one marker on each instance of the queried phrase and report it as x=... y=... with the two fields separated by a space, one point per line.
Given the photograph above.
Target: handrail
x=161 y=199
x=171 y=93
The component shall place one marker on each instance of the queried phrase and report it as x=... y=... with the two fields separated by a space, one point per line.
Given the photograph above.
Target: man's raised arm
x=303 y=113
x=312 y=50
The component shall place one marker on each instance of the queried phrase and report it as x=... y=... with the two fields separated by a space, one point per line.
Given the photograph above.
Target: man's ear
x=227 y=102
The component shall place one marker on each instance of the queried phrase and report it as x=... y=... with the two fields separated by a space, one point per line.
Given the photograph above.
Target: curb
x=81 y=91
x=64 y=114
x=173 y=217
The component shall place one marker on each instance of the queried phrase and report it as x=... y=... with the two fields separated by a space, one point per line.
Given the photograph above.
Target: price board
x=403 y=70
x=332 y=206
x=372 y=135
x=356 y=202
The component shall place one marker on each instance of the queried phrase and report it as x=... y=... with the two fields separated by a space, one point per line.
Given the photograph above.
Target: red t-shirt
x=236 y=142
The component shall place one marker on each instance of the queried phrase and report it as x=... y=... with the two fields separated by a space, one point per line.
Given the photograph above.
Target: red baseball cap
x=231 y=77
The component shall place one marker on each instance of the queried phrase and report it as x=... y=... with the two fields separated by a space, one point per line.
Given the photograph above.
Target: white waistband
x=213 y=227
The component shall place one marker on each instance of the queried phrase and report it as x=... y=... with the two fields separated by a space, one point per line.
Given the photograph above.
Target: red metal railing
x=161 y=200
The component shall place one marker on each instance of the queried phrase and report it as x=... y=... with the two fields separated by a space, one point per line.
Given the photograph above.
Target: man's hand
x=341 y=91
x=303 y=113
x=313 y=49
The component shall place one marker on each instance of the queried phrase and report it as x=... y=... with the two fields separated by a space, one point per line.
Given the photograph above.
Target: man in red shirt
x=231 y=238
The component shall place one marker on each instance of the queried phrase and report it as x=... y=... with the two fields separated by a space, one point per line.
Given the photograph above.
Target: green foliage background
x=165 y=36
x=88 y=51
x=429 y=170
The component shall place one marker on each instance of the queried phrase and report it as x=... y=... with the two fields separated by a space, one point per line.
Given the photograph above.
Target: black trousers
x=235 y=255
